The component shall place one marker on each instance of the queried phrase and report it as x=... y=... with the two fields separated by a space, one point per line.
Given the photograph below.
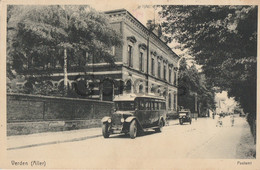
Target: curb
x=55 y=142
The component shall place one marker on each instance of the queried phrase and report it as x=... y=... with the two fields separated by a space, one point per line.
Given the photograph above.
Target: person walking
x=219 y=121
x=232 y=120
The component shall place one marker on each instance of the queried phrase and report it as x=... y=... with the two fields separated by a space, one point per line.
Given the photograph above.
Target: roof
x=132 y=97
x=184 y=110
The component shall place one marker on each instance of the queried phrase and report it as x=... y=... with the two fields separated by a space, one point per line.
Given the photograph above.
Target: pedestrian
x=219 y=122
x=232 y=120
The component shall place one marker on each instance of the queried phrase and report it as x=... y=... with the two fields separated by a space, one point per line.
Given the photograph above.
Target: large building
x=144 y=64
x=148 y=65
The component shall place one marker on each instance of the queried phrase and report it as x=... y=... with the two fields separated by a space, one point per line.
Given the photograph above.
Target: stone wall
x=33 y=114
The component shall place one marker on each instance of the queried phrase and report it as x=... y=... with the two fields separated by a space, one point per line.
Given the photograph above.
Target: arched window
x=28 y=87
x=128 y=86
x=159 y=92
x=152 y=89
x=61 y=85
x=108 y=90
x=141 y=88
x=164 y=94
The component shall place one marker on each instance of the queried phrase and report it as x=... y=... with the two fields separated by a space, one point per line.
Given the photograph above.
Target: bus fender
x=105 y=119
x=130 y=118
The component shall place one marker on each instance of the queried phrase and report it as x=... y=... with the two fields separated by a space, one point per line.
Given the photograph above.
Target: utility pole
x=150 y=26
x=147 y=64
x=65 y=69
x=195 y=102
x=65 y=73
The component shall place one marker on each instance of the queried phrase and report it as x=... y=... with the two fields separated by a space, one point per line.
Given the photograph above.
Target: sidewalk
x=47 y=138
x=32 y=140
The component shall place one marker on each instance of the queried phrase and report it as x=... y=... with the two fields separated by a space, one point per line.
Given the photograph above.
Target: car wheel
x=133 y=129
x=160 y=127
x=105 y=131
x=181 y=121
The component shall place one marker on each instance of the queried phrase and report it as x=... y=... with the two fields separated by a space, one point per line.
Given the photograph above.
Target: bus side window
x=136 y=105
x=147 y=105
x=163 y=106
x=141 y=105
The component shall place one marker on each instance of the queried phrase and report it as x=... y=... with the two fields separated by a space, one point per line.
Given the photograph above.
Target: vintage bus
x=135 y=113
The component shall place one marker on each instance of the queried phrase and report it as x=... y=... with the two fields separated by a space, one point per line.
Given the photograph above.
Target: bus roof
x=132 y=97
x=184 y=110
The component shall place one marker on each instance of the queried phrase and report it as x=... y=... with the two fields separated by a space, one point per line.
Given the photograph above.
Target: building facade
x=144 y=64
x=148 y=64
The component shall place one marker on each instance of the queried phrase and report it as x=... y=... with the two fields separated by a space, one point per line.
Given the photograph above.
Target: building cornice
x=122 y=12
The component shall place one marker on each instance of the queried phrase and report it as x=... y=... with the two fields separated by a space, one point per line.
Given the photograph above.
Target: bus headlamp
x=122 y=120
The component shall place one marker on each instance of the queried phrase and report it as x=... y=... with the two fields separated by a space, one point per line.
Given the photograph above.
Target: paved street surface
x=201 y=139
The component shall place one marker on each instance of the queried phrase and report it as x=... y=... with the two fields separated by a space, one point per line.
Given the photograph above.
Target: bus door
x=147 y=112
x=154 y=111
x=140 y=110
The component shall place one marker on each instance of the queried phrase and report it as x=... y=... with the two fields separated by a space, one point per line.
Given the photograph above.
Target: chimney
x=150 y=25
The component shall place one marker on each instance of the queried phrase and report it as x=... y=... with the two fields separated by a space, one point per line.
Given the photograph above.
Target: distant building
x=224 y=104
x=144 y=64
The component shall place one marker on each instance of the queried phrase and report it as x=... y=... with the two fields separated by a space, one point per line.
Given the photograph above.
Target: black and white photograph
x=129 y=85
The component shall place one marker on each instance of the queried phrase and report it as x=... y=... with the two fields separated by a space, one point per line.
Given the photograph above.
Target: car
x=221 y=115
x=184 y=116
x=135 y=114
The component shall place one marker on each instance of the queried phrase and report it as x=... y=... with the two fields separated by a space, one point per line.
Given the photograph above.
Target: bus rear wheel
x=159 y=129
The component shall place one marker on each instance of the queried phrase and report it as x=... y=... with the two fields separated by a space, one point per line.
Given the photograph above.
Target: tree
x=37 y=37
x=223 y=39
x=191 y=82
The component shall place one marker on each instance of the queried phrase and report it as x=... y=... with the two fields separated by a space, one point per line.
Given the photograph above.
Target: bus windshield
x=125 y=105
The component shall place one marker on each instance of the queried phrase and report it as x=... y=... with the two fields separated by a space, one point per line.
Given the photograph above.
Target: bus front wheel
x=133 y=129
x=105 y=130
x=181 y=121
